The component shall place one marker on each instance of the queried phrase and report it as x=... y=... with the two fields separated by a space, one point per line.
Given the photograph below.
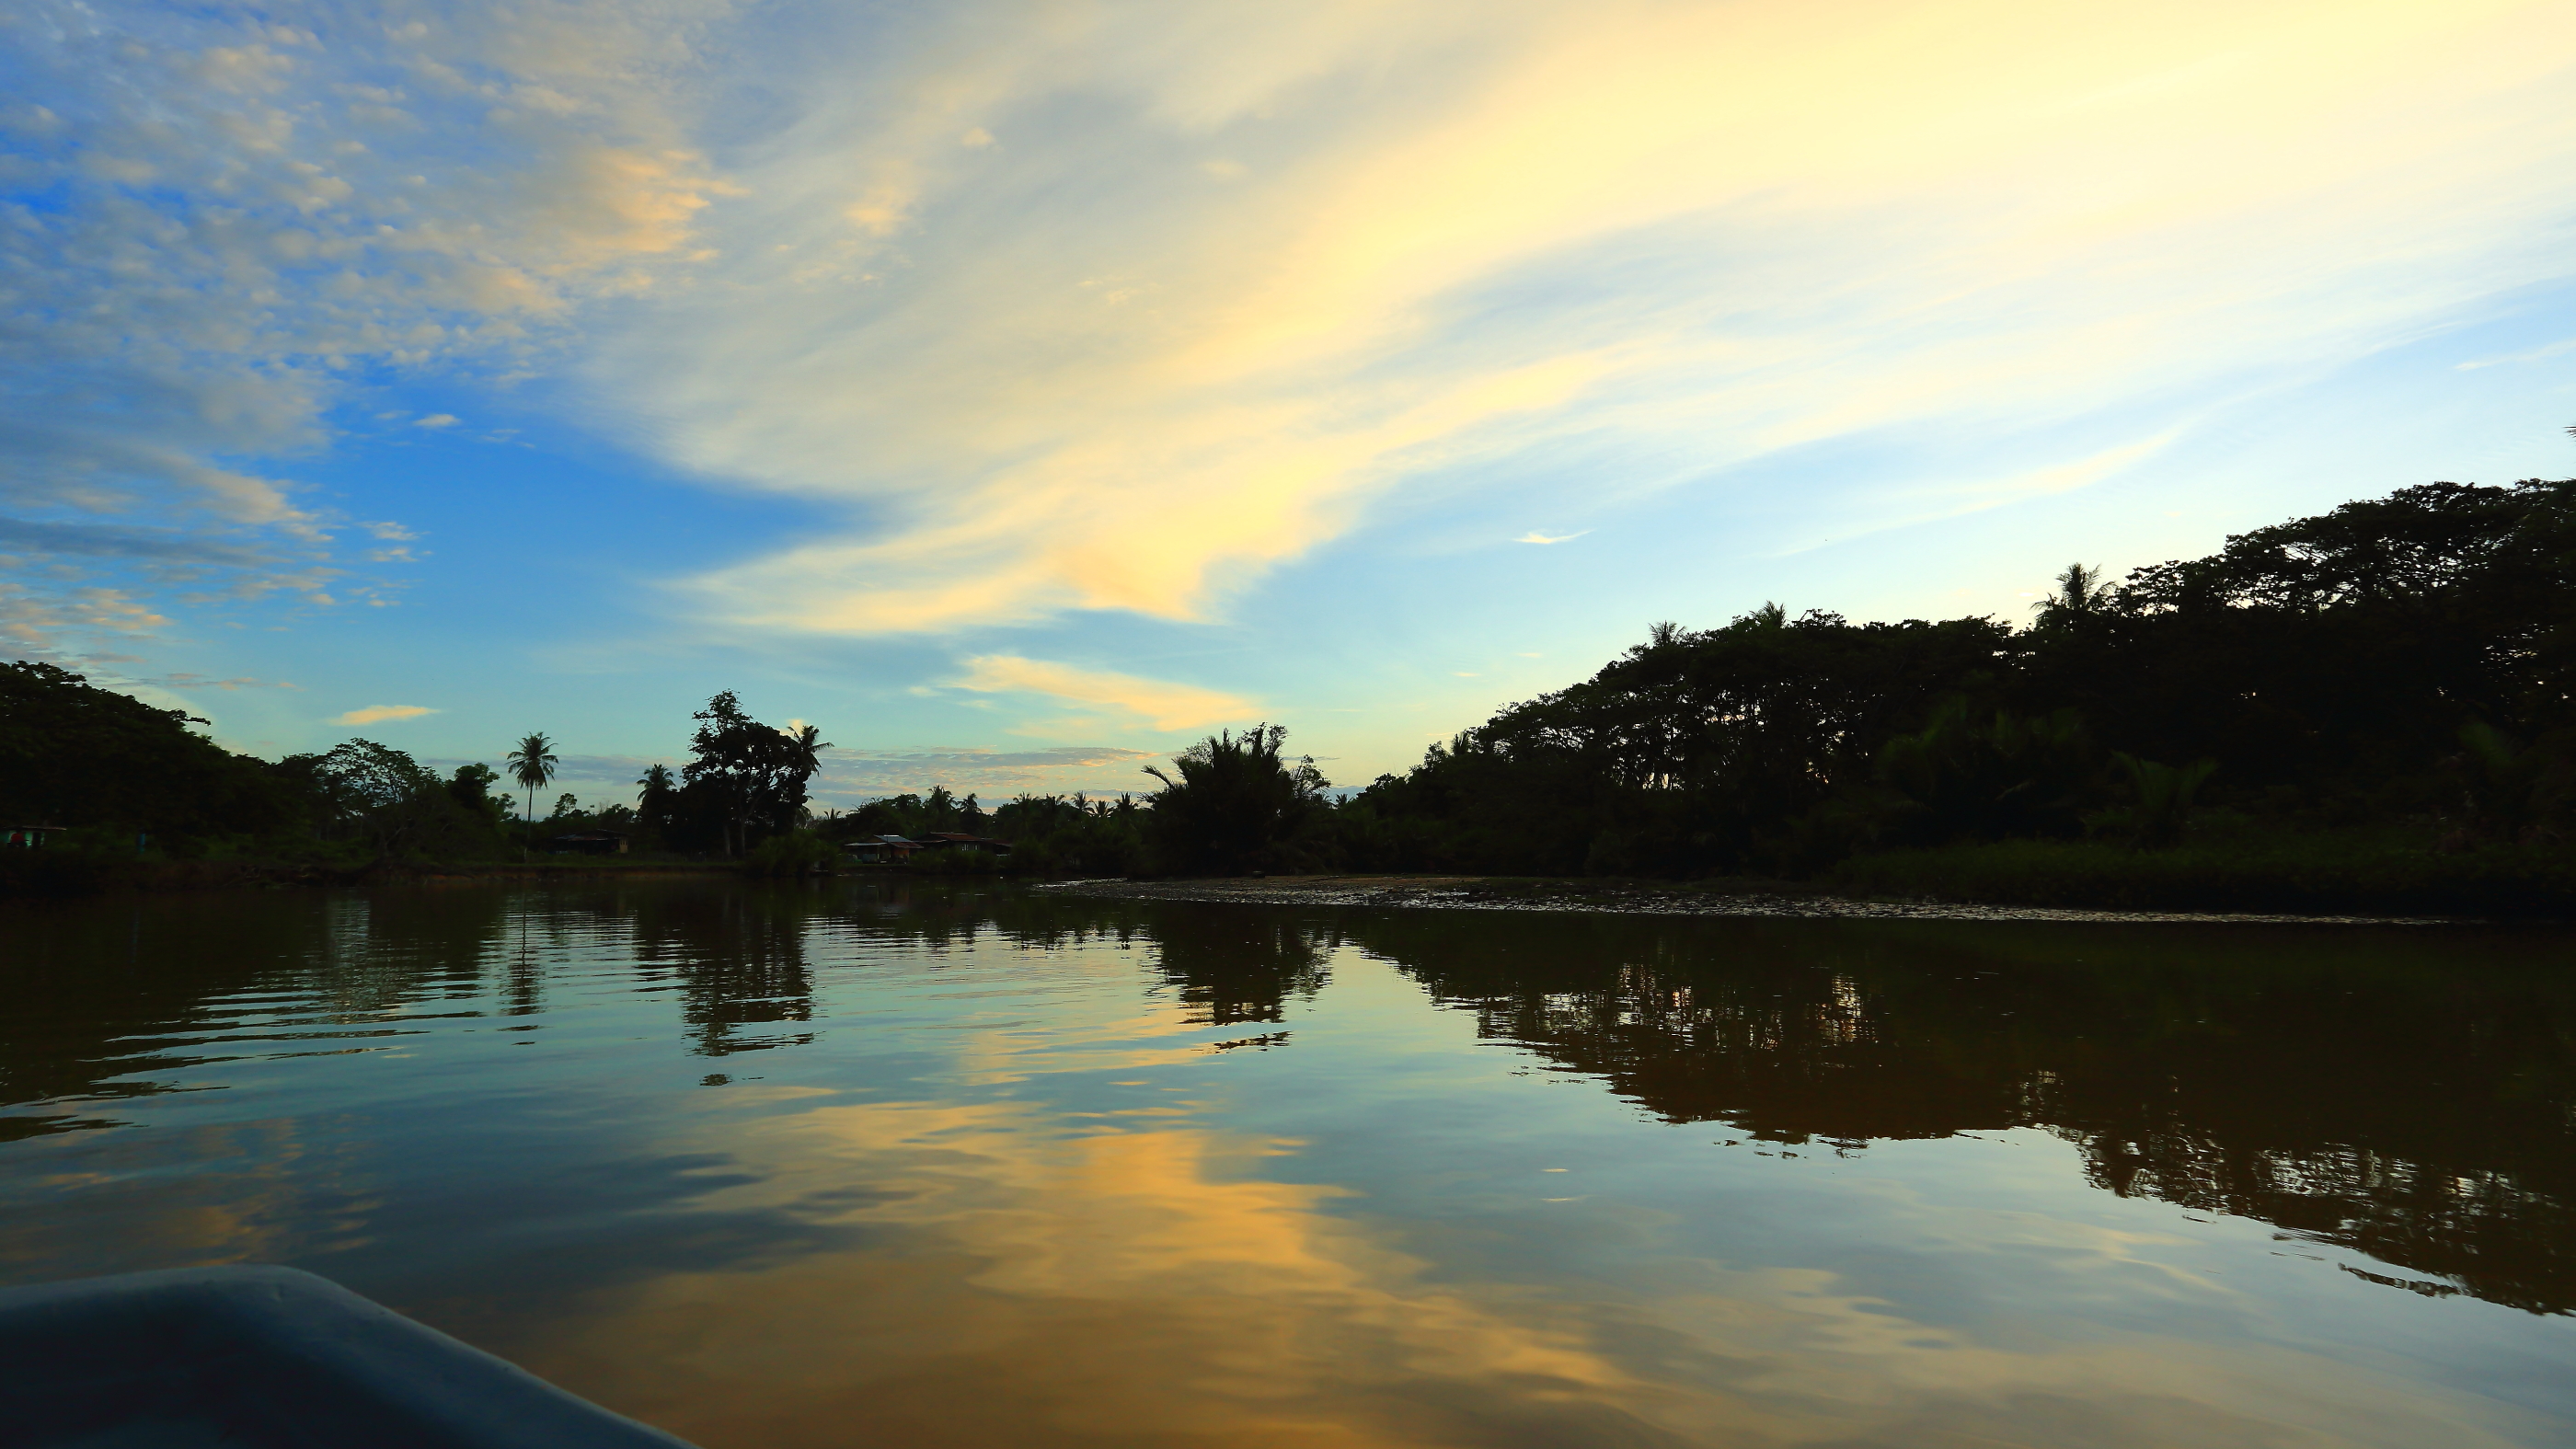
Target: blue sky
x=1021 y=390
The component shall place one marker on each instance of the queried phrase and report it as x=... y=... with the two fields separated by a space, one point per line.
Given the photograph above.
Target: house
x=950 y=840
x=26 y=837
x=895 y=849
x=588 y=842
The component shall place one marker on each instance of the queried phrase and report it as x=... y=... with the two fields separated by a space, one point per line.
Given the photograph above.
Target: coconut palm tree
x=532 y=764
x=806 y=746
x=2080 y=591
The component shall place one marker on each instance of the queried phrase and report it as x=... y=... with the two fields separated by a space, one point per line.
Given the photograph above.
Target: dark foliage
x=381 y=798
x=1073 y=835
x=908 y=815
x=2407 y=658
x=1238 y=805
x=745 y=780
x=1691 y=752
x=73 y=754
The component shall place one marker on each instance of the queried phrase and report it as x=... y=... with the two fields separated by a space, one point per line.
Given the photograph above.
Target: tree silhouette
x=532 y=764
x=2081 y=591
x=749 y=774
x=1237 y=802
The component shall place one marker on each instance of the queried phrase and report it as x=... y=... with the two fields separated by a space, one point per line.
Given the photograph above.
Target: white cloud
x=853 y=777
x=1534 y=536
x=2536 y=354
x=436 y=420
x=381 y=714
x=230 y=213
x=34 y=621
x=184 y=680
x=1232 y=276
x=1069 y=374
x=1158 y=703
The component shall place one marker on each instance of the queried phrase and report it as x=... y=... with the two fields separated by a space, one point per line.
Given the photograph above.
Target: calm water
x=851 y=1166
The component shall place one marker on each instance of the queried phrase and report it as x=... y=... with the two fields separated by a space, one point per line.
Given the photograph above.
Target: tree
x=1237 y=804
x=74 y=754
x=653 y=803
x=532 y=764
x=380 y=794
x=472 y=787
x=748 y=774
x=805 y=747
x=2081 y=592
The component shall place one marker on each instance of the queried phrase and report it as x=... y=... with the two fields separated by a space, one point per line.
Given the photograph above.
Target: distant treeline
x=2366 y=709
x=2380 y=686
x=125 y=780
x=2402 y=662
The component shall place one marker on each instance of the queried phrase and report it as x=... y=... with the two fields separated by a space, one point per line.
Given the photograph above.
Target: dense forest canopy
x=2398 y=658
x=2400 y=664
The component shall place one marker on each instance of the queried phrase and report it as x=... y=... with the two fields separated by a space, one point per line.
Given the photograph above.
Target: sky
x=1022 y=389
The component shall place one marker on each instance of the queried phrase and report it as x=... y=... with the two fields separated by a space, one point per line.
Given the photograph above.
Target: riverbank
x=39 y=876
x=2383 y=872
x=1757 y=898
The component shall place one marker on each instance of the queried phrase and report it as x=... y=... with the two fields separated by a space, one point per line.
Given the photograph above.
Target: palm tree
x=806 y=747
x=653 y=803
x=532 y=764
x=2080 y=590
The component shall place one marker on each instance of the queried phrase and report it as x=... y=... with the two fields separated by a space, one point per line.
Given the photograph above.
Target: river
x=874 y=1163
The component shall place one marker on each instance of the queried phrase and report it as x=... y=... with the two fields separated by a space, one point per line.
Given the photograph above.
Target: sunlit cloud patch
x=1029 y=314
x=1157 y=704
x=382 y=714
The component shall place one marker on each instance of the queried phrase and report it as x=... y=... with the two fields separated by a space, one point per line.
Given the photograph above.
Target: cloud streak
x=382 y=714
x=212 y=220
x=1158 y=704
x=1224 y=280
x=1060 y=308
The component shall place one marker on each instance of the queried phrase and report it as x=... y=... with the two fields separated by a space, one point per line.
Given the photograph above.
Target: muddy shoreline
x=1765 y=899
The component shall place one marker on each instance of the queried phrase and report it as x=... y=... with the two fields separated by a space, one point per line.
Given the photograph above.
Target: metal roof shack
x=895 y=849
x=26 y=837
x=588 y=842
x=951 y=840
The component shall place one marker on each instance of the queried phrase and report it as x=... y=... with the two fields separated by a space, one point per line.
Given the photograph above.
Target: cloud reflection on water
x=976 y=1172
x=1048 y=1284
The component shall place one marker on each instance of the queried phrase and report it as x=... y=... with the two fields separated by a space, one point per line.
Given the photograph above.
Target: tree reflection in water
x=2409 y=1096
x=738 y=958
x=1235 y=967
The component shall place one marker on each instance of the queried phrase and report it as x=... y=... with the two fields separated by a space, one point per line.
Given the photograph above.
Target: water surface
x=856 y=1164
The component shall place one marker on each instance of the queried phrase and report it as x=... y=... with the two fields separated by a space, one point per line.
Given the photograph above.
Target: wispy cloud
x=382 y=713
x=185 y=680
x=2536 y=354
x=1534 y=536
x=852 y=777
x=1440 y=232
x=1115 y=308
x=214 y=212
x=35 y=622
x=1158 y=703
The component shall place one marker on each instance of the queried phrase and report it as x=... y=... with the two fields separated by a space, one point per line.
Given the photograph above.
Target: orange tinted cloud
x=1159 y=704
x=381 y=713
x=1271 y=271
